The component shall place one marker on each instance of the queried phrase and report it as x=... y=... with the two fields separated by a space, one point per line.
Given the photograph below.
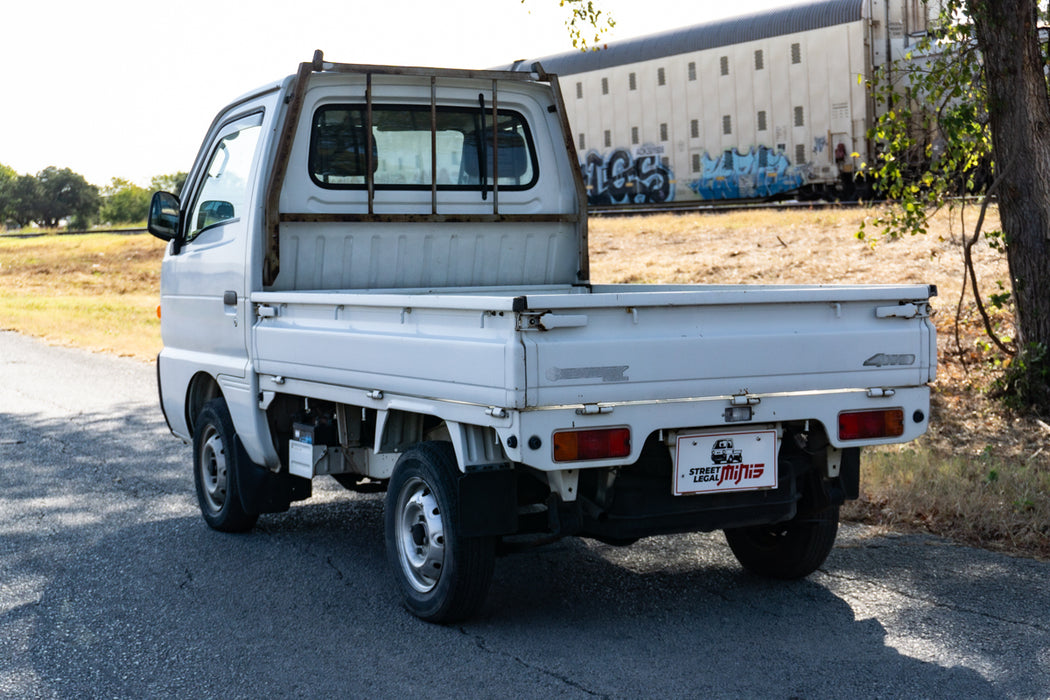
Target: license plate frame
x=720 y=461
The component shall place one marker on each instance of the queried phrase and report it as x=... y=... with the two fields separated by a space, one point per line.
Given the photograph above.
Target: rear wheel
x=443 y=576
x=788 y=550
x=217 y=457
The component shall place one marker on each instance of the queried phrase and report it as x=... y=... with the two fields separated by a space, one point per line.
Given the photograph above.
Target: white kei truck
x=381 y=274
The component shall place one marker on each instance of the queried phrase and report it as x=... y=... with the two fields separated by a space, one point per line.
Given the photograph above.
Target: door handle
x=229 y=298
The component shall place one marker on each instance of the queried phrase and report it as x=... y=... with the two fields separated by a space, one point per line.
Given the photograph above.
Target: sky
x=127 y=88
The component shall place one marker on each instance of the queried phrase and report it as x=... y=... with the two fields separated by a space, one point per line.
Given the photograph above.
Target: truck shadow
x=113 y=586
x=682 y=604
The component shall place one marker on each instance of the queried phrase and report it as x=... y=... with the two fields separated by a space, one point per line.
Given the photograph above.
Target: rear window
x=401 y=148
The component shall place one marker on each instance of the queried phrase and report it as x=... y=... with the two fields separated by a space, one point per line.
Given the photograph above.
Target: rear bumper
x=639 y=502
x=533 y=428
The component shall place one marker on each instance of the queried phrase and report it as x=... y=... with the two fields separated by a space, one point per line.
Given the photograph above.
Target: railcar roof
x=760 y=25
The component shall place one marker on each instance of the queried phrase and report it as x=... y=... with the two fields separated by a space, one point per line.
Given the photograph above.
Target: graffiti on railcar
x=620 y=177
x=761 y=172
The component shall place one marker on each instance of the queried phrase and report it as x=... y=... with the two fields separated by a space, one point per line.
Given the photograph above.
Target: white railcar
x=759 y=106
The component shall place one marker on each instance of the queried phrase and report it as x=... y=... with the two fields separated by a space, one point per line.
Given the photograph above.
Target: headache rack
x=274 y=218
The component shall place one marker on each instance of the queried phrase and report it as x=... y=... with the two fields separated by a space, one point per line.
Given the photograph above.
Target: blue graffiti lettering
x=620 y=178
x=761 y=172
x=820 y=143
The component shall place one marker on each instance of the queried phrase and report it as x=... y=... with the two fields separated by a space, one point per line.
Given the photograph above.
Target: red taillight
x=580 y=445
x=859 y=425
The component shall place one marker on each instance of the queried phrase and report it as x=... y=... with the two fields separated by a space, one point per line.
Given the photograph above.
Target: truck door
x=204 y=309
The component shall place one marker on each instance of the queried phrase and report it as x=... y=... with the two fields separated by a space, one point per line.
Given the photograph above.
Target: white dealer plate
x=721 y=462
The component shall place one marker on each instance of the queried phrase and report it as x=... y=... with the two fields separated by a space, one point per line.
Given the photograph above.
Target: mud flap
x=818 y=493
x=849 y=473
x=263 y=491
x=488 y=503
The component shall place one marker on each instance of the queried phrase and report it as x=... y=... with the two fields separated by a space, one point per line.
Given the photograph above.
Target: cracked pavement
x=112 y=586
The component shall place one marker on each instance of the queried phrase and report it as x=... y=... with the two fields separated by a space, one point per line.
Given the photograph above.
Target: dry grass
x=775 y=247
x=981 y=475
x=98 y=292
x=985 y=499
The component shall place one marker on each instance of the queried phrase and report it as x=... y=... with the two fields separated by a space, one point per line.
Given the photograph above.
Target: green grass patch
x=124 y=325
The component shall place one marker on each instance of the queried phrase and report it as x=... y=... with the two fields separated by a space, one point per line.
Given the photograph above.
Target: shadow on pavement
x=111 y=585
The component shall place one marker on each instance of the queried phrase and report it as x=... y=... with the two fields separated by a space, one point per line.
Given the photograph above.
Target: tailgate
x=619 y=345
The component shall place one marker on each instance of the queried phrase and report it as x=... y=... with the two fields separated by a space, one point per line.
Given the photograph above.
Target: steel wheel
x=214 y=471
x=443 y=576
x=217 y=457
x=420 y=535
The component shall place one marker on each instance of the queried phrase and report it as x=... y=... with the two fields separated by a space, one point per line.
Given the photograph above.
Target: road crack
x=338 y=572
x=479 y=641
x=187 y=578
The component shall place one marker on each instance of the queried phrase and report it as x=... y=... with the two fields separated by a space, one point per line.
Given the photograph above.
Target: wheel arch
x=202 y=388
x=474 y=445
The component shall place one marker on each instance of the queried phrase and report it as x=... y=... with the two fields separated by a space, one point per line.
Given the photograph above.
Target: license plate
x=725 y=462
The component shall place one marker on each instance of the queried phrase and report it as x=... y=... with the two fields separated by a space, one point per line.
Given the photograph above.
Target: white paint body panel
x=657 y=357
x=720 y=341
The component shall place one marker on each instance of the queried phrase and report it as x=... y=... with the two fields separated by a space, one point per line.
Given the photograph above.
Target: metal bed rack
x=274 y=218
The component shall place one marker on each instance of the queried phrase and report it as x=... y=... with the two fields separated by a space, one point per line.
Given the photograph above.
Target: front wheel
x=442 y=575
x=788 y=550
x=217 y=458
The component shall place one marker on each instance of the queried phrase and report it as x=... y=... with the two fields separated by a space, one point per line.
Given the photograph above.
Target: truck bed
x=540 y=347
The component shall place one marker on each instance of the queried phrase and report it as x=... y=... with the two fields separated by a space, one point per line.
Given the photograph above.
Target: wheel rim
x=420 y=535
x=213 y=469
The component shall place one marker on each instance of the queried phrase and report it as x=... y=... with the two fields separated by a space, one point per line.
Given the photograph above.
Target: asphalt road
x=112 y=586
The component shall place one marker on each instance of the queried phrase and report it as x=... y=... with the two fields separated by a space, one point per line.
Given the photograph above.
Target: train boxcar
x=763 y=106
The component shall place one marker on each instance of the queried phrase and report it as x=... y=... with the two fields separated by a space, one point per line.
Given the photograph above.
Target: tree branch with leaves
x=583 y=18
x=967 y=113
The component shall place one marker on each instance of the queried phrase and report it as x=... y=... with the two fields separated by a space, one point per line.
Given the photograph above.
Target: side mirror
x=164 y=216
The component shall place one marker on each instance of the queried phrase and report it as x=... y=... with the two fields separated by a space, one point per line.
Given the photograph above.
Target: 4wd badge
x=722 y=462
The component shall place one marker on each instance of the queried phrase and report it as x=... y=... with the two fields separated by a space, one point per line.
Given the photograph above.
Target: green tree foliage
x=7 y=179
x=124 y=202
x=584 y=17
x=935 y=140
x=968 y=111
x=55 y=194
x=933 y=131
x=66 y=195
x=25 y=199
x=169 y=183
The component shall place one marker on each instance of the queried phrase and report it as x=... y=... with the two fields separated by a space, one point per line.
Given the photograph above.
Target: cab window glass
x=224 y=193
x=401 y=148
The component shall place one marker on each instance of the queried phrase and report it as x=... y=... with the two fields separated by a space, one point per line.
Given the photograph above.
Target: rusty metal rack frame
x=274 y=218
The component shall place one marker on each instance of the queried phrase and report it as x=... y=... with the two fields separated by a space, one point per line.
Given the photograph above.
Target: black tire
x=788 y=550
x=443 y=577
x=217 y=458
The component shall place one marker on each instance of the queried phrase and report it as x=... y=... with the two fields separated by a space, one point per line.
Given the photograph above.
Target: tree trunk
x=1019 y=115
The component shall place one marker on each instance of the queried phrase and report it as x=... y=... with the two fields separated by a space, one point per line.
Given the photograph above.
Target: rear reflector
x=860 y=425
x=580 y=445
